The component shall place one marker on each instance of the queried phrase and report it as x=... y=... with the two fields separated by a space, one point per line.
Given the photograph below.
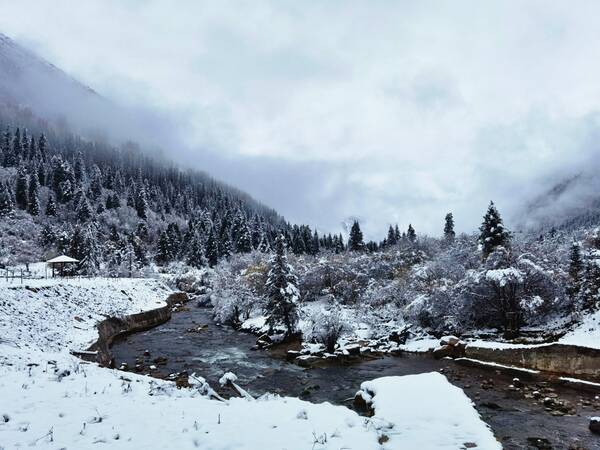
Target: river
x=216 y=349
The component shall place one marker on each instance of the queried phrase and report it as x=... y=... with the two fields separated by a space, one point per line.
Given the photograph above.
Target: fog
x=390 y=112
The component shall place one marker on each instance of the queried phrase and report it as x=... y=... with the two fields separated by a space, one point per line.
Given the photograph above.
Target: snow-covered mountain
x=571 y=203
x=29 y=81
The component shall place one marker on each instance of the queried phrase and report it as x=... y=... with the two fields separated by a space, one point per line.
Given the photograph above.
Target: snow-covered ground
x=50 y=399
x=440 y=414
x=58 y=314
x=586 y=334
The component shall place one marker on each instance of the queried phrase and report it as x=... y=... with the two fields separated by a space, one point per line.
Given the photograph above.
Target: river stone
x=539 y=443
x=443 y=351
x=306 y=360
x=595 y=425
x=362 y=405
x=449 y=340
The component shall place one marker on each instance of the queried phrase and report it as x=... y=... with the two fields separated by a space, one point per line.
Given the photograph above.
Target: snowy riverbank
x=51 y=399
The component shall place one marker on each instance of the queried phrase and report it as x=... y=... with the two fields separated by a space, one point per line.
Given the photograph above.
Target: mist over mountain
x=29 y=81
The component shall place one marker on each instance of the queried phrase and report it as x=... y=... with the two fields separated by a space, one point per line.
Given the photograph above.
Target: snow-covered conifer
x=282 y=290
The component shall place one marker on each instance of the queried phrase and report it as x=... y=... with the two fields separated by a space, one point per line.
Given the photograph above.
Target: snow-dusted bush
x=327 y=326
x=233 y=298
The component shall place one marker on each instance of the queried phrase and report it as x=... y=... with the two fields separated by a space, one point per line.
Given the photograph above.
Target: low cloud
x=390 y=112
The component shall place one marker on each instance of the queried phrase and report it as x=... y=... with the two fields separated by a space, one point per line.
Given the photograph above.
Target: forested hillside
x=119 y=210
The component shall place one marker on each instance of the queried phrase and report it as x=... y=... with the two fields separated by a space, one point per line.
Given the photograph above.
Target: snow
x=500 y=345
x=586 y=334
x=578 y=381
x=499 y=366
x=425 y=412
x=94 y=406
x=421 y=345
x=504 y=276
x=51 y=399
x=56 y=314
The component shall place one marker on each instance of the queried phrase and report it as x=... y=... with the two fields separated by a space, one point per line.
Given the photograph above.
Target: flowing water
x=219 y=349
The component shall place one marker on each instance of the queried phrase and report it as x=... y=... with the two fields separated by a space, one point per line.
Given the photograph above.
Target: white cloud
x=389 y=111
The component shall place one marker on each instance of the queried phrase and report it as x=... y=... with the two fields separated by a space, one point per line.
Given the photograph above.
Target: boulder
x=362 y=403
x=449 y=340
x=595 y=425
x=353 y=349
x=306 y=360
x=443 y=351
x=451 y=351
x=264 y=341
x=177 y=298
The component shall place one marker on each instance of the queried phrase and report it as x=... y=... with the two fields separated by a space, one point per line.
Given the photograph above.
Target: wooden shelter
x=60 y=262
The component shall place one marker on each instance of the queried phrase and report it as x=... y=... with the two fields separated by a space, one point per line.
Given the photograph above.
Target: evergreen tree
x=338 y=243
x=6 y=203
x=163 y=255
x=6 y=151
x=355 y=242
x=96 y=183
x=449 y=233
x=492 y=232
x=212 y=249
x=21 y=188
x=34 y=201
x=79 y=169
x=411 y=235
x=84 y=212
x=391 y=236
x=575 y=270
x=244 y=239
x=264 y=246
x=12 y=157
x=282 y=290
x=51 y=207
x=315 y=247
x=589 y=291
x=141 y=202
x=195 y=254
x=42 y=147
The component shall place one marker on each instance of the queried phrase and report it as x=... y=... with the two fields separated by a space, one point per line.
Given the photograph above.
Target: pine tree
x=21 y=188
x=51 y=207
x=6 y=203
x=244 y=239
x=492 y=232
x=5 y=149
x=34 y=201
x=12 y=157
x=91 y=254
x=589 y=291
x=79 y=169
x=575 y=270
x=282 y=290
x=355 y=242
x=449 y=233
x=163 y=255
x=96 y=183
x=212 y=249
x=264 y=246
x=391 y=236
x=411 y=235
x=315 y=247
x=338 y=244
x=195 y=254
x=84 y=212
x=42 y=147
x=141 y=202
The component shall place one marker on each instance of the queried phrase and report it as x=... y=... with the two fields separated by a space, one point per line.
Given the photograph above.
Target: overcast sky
x=388 y=111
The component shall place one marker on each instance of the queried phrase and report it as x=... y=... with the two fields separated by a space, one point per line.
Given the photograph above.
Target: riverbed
x=216 y=349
